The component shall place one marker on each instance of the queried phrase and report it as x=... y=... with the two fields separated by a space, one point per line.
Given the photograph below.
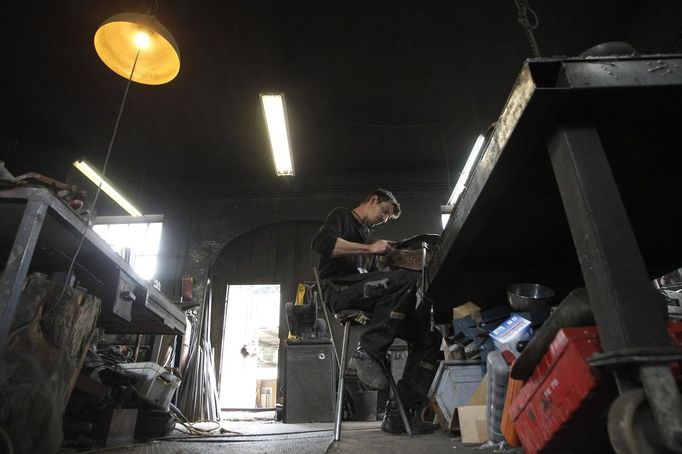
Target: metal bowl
x=526 y=297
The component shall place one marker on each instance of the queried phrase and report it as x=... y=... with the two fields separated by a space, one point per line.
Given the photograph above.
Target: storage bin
x=154 y=383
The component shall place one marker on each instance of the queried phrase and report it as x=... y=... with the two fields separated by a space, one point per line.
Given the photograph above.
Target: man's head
x=380 y=206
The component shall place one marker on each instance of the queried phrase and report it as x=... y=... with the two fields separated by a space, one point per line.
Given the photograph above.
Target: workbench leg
x=630 y=314
x=16 y=268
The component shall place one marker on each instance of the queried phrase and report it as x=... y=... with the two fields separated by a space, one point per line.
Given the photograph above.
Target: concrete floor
x=268 y=437
x=368 y=438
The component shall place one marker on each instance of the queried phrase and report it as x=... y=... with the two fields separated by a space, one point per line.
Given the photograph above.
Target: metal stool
x=347 y=318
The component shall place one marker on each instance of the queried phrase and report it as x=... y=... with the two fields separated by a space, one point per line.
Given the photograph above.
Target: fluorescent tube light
x=464 y=176
x=462 y=180
x=275 y=118
x=106 y=187
x=445 y=211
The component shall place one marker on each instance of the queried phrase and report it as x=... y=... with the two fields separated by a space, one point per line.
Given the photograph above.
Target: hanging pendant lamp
x=119 y=39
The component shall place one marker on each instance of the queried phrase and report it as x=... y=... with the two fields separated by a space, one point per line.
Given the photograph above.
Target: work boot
x=393 y=423
x=369 y=370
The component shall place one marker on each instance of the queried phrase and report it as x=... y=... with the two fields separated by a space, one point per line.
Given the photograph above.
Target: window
x=135 y=240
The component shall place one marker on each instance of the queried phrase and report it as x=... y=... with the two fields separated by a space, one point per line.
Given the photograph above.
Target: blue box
x=511 y=331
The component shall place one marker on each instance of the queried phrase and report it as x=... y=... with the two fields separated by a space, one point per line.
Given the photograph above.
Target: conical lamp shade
x=159 y=60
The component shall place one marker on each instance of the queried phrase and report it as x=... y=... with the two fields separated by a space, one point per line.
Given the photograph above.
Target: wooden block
x=464 y=310
x=44 y=360
x=473 y=425
x=480 y=396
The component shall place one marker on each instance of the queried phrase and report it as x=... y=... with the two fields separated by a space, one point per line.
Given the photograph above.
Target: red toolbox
x=564 y=405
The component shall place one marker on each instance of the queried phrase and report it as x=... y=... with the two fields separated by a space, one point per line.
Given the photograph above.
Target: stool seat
x=355 y=316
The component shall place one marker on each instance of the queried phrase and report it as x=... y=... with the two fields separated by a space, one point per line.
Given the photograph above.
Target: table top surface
x=509 y=225
x=97 y=264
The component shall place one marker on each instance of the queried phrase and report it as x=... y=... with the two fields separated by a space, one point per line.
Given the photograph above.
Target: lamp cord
x=523 y=9
x=87 y=220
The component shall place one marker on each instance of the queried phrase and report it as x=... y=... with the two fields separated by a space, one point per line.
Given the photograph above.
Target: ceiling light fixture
x=139 y=48
x=274 y=111
x=108 y=189
x=462 y=180
x=131 y=39
x=464 y=175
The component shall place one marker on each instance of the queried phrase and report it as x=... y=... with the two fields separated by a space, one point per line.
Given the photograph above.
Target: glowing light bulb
x=142 y=40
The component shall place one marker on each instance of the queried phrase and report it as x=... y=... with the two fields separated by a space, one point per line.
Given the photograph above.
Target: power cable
x=87 y=221
x=529 y=24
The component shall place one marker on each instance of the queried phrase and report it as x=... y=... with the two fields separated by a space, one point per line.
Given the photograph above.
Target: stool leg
x=342 y=372
x=401 y=409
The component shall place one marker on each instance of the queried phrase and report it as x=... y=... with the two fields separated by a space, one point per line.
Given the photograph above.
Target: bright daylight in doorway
x=250 y=347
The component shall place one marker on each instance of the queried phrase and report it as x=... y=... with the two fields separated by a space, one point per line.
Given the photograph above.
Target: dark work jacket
x=340 y=223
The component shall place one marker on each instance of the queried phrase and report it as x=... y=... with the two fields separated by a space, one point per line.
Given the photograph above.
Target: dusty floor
x=268 y=437
x=368 y=438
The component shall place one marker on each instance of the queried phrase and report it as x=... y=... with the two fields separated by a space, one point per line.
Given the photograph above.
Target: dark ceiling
x=373 y=88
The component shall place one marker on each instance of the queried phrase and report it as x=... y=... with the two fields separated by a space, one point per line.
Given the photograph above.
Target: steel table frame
x=39 y=204
x=635 y=342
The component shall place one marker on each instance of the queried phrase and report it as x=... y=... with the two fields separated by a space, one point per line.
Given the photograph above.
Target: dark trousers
x=391 y=297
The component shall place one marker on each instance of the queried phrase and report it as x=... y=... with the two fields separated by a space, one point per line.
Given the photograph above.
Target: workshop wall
x=195 y=231
x=265 y=239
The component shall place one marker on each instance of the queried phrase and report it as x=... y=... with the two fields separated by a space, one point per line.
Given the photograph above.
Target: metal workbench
x=40 y=233
x=577 y=185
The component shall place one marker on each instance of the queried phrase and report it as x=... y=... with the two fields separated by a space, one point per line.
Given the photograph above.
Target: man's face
x=379 y=212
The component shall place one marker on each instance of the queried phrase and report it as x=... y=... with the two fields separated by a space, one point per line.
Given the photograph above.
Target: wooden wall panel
x=277 y=253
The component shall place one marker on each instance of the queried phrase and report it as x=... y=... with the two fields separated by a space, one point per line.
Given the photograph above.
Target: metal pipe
x=137 y=346
x=342 y=372
x=326 y=315
x=401 y=409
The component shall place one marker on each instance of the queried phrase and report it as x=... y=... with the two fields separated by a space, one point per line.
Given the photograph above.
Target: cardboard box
x=513 y=330
x=480 y=396
x=464 y=310
x=473 y=425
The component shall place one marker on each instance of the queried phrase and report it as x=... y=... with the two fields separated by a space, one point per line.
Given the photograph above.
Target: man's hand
x=380 y=247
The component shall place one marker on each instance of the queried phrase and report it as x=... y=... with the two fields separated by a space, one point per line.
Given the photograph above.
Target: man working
x=390 y=296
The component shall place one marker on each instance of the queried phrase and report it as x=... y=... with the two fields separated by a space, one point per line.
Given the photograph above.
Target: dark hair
x=384 y=195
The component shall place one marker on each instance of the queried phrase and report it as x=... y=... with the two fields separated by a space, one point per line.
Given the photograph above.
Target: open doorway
x=250 y=347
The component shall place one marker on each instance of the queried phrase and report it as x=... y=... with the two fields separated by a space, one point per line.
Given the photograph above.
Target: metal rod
x=342 y=372
x=137 y=347
x=629 y=312
x=401 y=409
x=326 y=315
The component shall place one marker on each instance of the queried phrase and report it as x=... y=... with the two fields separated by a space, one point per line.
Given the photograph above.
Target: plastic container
x=454 y=384
x=153 y=383
x=498 y=376
x=564 y=402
